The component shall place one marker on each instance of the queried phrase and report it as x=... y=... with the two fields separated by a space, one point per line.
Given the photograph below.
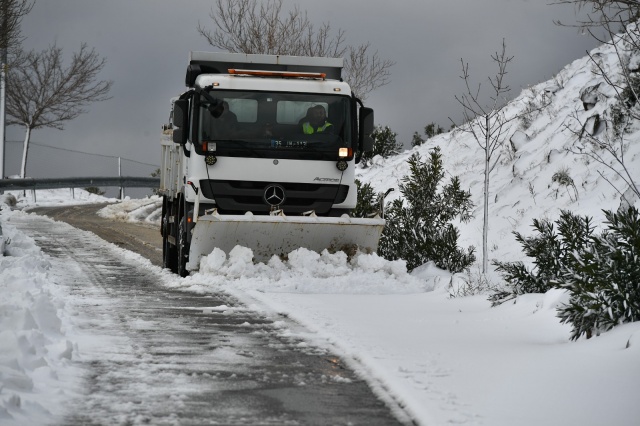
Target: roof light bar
x=284 y=74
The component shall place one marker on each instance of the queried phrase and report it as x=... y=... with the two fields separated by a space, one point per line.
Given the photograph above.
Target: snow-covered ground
x=445 y=359
x=36 y=370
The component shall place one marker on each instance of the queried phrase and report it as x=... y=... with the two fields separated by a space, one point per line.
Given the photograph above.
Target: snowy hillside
x=521 y=187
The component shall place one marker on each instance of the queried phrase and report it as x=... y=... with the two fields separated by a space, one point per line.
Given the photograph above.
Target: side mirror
x=216 y=109
x=180 y=120
x=179 y=136
x=365 y=142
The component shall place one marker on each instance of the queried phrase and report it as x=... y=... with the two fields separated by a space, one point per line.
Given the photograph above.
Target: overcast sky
x=146 y=43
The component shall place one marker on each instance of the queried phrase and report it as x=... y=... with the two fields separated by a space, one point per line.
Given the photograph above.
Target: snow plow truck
x=249 y=159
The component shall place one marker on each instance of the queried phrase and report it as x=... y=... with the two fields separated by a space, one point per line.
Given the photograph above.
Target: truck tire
x=169 y=252
x=169 y=255
x=183 y=248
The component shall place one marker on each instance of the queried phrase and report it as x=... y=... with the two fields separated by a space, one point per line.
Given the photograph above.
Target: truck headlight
x=345 y=152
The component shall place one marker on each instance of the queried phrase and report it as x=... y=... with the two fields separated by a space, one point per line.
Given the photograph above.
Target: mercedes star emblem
x=274 y=195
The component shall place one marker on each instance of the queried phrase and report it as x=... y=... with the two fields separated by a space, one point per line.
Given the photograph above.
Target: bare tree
x=608 y=149
x=619 y=20
x=489 y=125
x=42 y=92
x=604 y=12
x=249 y=26
x=11 y=14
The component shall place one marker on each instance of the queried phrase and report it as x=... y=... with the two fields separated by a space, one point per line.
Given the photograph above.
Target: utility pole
x=3 y=84
x=120 y=175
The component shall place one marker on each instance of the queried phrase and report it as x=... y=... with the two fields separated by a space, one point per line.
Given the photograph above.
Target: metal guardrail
x=79 y=182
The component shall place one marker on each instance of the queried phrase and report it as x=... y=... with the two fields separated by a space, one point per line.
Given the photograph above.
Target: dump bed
x=221 y=62
x=170 y=166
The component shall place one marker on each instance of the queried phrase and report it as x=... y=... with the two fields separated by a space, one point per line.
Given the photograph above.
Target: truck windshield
x=284 y=125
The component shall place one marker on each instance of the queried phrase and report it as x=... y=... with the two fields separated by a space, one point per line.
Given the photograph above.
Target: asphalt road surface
x=164 y=357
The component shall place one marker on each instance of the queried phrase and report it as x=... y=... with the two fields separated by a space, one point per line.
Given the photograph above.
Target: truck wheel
x=169 y=255
x=169 y=252
x=183 y=249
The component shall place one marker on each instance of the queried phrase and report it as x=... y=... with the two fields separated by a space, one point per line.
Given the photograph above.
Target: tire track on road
x=159 y=356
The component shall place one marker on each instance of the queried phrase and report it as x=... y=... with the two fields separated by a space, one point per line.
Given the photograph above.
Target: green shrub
x=368 y=203
x=604 y=279
x=417 y=140
x=94 y=190
x=628 y=94
x=431 y=130
x=418 y=225
x=562 y=177
x=601 y=272
x=619 y=114
x=384 y=144
x=551 y=252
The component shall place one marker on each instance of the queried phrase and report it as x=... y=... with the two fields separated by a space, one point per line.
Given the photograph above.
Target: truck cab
x=262 y=134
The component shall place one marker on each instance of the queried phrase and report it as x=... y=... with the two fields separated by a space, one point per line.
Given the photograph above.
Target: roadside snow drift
x=36 y=371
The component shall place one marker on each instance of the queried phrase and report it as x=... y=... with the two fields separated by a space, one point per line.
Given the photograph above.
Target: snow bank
x=53 y=197
x=147 y=210
x=35 y=366
x=305 y=271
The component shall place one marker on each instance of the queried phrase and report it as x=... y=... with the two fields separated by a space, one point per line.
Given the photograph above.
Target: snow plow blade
x=279 y=235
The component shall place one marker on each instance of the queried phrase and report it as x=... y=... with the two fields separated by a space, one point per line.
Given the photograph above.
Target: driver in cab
x=316 y=121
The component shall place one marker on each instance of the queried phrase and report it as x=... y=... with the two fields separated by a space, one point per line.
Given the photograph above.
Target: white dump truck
x=261 y=152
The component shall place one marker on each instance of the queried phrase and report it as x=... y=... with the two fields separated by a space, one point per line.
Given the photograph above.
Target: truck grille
x=239 y=197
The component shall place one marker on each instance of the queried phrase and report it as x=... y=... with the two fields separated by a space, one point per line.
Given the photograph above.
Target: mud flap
x=279 y=235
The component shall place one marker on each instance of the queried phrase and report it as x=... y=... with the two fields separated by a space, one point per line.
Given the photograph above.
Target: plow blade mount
x=279 y=235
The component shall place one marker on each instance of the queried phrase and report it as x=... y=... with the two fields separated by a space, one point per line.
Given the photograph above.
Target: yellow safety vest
x=308 y=129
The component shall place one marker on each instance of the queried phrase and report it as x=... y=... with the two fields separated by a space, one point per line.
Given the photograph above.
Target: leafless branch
x=11 y=14
x=42 y=92
x=601 y=12
x=607 y=149
x=250 y=26
x=366 y=72
x=619 y=20
x=488 y=124
x=489 y=118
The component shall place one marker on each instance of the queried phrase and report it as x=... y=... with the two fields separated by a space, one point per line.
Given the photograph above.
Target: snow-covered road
x=154 y=355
